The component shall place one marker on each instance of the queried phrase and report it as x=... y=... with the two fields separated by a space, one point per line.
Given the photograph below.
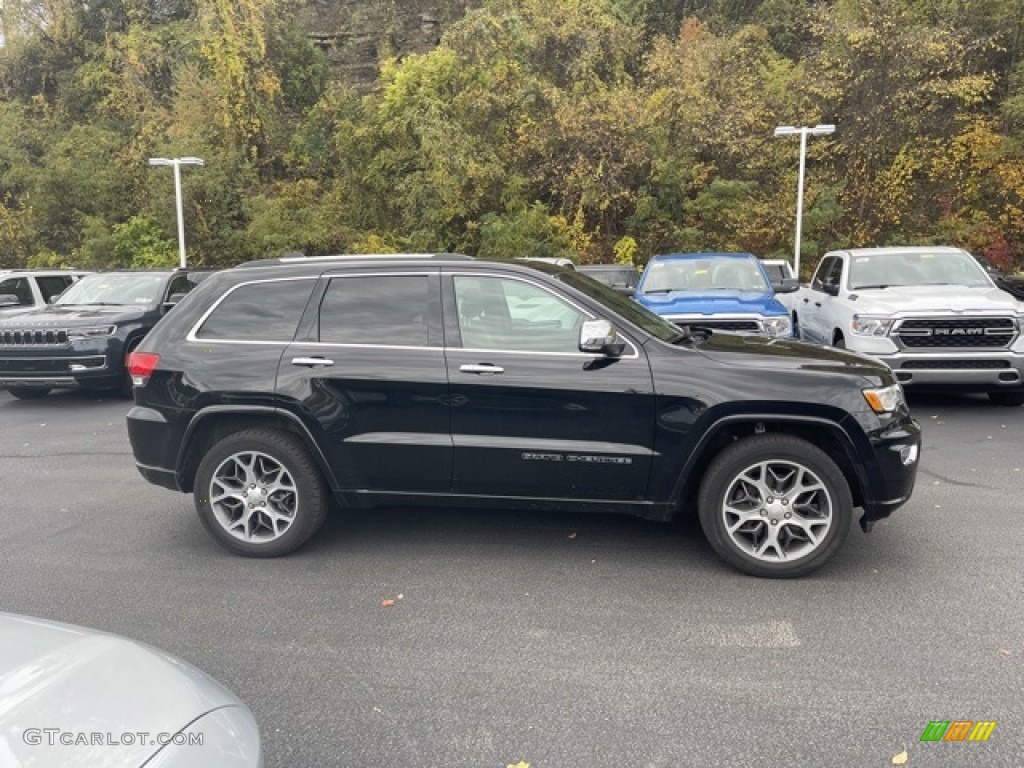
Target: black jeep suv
x=84 y=336
x=277 y=386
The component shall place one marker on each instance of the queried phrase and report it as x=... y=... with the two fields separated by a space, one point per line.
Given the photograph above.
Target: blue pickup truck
x=721 y=291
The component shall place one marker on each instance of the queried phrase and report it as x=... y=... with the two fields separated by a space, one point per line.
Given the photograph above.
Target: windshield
x=882 y=270
x=120 y=289
x=639 y=316
x=710 y=274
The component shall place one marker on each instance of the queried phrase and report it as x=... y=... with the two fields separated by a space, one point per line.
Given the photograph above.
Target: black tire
x=29 y=393
x=796 y=328
x=311 y=502
x=840 y=342
x=1007 y=399
x=725 y=473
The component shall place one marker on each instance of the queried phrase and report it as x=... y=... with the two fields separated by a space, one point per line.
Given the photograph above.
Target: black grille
x=955 y=365
x=958 y=332
x=723 y=325
x=33 y=338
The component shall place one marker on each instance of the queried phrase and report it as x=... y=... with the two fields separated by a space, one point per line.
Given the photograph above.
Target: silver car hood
x=79 y=680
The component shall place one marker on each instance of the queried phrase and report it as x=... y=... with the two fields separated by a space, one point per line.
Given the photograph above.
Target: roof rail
x=355 y=257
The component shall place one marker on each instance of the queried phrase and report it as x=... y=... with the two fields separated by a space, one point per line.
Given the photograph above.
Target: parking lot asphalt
x=556 y=640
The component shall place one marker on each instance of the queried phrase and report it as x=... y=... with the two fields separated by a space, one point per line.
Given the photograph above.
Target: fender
x=249 y=410
x=860 y=456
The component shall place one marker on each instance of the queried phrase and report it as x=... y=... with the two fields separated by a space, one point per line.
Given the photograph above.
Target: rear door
x=531 y=415
x=367 y=374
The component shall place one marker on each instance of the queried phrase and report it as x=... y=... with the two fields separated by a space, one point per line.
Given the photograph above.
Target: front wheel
x=29 y=393
x=260 y=493
x=775 y=506
x=1009 y=399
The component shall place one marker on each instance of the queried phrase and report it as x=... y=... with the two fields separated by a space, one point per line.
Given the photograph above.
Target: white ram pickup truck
x=933 y=315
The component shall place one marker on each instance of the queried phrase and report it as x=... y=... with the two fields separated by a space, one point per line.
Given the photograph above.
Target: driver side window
x=506 y=314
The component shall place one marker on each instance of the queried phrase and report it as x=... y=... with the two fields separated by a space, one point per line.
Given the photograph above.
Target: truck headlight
x=777 y=327
x=91 y=333
x=865 y=325
x=885 y=399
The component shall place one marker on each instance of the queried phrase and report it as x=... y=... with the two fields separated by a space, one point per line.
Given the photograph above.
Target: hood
x=79 y=680
x=712 y=303
x=776 y=354
x=72 y=316
x=925 y=299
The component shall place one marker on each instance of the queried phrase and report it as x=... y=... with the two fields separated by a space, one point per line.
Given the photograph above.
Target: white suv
x=25 y=289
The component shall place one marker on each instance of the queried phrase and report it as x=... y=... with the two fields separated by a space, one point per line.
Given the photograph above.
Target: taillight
x=141 y=366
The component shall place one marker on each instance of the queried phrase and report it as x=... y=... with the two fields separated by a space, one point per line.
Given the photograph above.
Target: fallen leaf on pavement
x=519 y=765
x=900 y=759
x=386 y=603
x=572 y=535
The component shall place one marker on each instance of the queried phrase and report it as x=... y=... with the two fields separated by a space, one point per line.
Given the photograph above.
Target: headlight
x=777 y=327
x=91 y=333
x=885 y=399
x=863 y=325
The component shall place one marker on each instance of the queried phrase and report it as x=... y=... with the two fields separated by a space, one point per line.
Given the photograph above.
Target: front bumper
x=896 y=453
x=95 y=362
x=982 y=371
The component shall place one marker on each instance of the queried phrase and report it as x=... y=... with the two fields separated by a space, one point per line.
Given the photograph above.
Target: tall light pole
x=176 y=163
x=789 y=130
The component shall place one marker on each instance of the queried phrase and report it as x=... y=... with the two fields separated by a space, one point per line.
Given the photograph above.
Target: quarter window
x=52 y=285
x=503 y=314
x=267 y=311
x=386 y=310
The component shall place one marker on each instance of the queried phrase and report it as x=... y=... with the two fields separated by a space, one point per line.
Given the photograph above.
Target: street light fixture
x=789 y=130
x=176 y=163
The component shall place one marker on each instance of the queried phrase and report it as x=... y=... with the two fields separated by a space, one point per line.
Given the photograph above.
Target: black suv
x=83 y=337
x=277 y=386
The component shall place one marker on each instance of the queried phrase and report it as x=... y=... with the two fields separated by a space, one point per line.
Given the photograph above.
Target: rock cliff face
x=357 y=34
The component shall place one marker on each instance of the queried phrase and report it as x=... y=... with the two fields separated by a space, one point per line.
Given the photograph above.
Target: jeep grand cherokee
x=285 y=383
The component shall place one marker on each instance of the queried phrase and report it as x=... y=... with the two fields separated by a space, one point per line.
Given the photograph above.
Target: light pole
x=176 y=163
x=789 y=130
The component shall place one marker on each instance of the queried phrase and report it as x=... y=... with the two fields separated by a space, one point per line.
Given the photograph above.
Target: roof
x=707 y=255
x=900 y=249
x=349 y=257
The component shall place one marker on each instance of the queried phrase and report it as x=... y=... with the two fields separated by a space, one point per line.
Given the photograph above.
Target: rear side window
x=390 y=310
x=267 y=311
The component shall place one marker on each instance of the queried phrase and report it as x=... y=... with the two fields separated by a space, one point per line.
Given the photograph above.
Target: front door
x=532 y=416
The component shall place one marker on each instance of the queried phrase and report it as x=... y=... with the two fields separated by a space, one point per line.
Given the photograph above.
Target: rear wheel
x=260 y=493
x=796 y=327
x=29 y=393
x=775 y=506
x=839 y=342
x=1009 y=399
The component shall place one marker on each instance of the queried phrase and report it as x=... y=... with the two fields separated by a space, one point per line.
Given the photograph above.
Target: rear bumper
x=154 y=442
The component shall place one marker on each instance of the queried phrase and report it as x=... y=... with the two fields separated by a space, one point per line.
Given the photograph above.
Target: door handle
x=817 y=303
x=312 y=361
x=484 y=368
x=807 y=301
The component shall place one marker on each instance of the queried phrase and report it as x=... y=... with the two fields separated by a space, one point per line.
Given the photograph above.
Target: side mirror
x=624 y=289
x=830 y=288
x=786 y=285
x=53 y=299
x=9 y=300
x=600 y=337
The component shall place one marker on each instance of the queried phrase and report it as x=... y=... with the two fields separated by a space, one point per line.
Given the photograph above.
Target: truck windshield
x=884 y=270
x=129 y=288
x=725 y=274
